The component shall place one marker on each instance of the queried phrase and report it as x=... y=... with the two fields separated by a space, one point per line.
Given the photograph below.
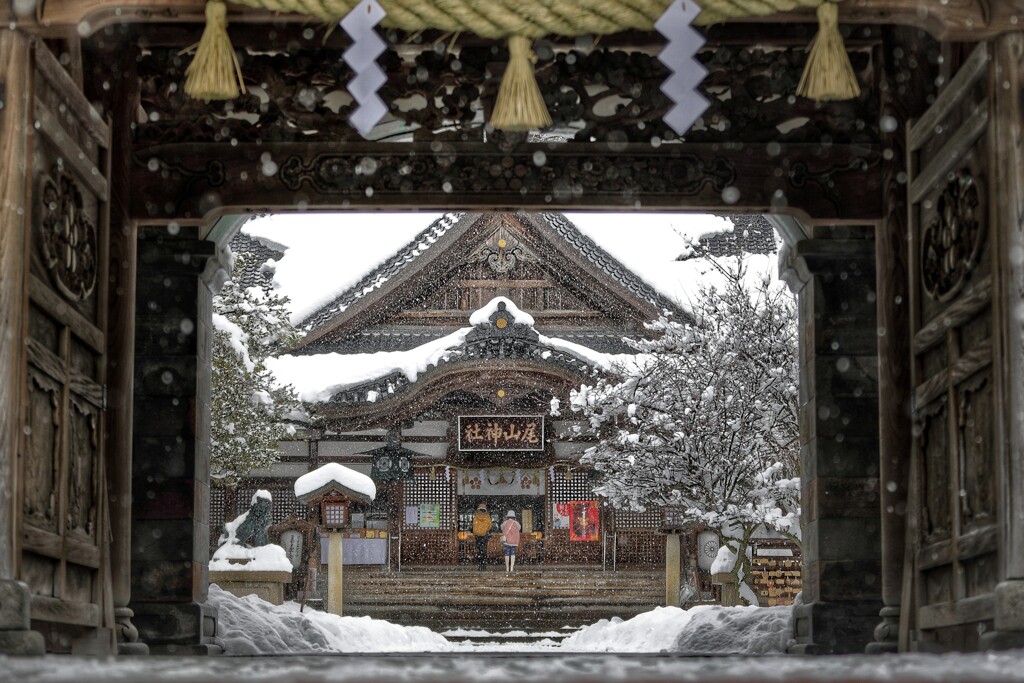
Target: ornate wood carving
x=934 y=446
x=952 y=241
x=604 y=95
x=43 y=448
x=69 y=241
x=975 y=446
x=190 y=180
x=83 y=454
x=502 y=251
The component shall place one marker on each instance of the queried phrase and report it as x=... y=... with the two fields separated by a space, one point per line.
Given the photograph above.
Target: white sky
x=330 y=252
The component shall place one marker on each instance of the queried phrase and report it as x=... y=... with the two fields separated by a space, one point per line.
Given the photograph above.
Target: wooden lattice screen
x=649 y=519
x=430 y=488
x=568 y=486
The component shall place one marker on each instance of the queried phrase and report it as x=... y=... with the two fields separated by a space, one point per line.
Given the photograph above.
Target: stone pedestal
x=186 y=628
x=834 y=280
x=16 y=636
x=267 y=586
x=1009 y=622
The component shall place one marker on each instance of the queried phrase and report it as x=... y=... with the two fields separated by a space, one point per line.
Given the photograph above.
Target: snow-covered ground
x=655 y=646
x=250 y=626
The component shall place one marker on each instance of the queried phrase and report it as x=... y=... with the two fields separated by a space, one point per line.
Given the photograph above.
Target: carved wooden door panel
x=64 y=529
x=954 y=528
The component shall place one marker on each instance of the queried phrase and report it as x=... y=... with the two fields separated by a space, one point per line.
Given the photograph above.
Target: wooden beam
x=955 y=20
x=195 y=180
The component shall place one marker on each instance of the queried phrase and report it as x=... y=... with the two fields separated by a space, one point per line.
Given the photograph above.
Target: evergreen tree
x=705 y=416
x=249 y=407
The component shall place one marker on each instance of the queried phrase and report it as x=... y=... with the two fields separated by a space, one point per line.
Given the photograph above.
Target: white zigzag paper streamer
x=362 y=56
x=679 y=56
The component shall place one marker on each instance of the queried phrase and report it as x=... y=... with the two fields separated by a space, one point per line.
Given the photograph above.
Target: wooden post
x=672 y=575
x=892 y=257
x=121 y=350
x=730 y=588
x=1006 y=158
x=334 y=574
x=16 y=638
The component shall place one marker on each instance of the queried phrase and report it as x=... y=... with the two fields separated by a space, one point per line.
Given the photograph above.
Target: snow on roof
x=316 y=378
x=328 y=253
x=483 y=315
x=332 y=260
x=332 y=474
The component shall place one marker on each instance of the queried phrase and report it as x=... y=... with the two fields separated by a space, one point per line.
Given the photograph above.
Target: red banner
x=584 y=520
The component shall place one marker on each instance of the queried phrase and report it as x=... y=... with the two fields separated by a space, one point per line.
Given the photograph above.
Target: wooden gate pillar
x=1007 y=163
x=834 y=280
x=15 y=634
x=171 y=444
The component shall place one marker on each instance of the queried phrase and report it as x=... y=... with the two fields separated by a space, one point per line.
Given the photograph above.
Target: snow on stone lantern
x=332 y=488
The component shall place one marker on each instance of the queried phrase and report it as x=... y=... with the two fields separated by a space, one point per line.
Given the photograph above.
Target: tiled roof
x=561 y=225
x=752 y=234
x=606 y=262
x=257 y=253
x=384 y=272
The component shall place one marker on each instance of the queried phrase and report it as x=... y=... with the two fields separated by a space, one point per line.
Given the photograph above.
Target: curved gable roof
x=415 y=256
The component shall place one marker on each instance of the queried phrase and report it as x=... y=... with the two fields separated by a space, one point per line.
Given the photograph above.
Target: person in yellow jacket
x=481 y=529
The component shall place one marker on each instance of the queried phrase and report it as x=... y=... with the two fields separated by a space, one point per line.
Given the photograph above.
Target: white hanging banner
x=500 y=481
x=679 y=55
x=362 y=56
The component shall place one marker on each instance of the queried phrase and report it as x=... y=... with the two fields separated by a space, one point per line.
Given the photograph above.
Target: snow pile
x=735 y=630
x=264 y=558
x=347 y=477
x=700 y=629
x=251 y=626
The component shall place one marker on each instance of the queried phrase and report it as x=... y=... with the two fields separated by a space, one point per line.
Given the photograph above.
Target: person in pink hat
x=510 y=529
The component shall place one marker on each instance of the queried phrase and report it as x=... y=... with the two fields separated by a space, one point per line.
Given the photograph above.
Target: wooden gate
x=64 y=533
x=953 y=528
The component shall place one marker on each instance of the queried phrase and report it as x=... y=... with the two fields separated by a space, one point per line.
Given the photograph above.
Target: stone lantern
x=327 y=492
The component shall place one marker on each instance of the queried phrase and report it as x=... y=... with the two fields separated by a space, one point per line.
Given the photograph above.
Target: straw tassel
x=828 y=74
x=214 y=73
x=519 y=105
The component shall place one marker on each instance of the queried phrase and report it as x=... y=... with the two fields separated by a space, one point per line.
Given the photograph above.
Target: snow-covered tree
x=705 y=416
x=249 y=406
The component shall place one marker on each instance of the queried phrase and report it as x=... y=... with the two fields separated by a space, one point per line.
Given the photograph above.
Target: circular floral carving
x=952 y=241
x=69 y=241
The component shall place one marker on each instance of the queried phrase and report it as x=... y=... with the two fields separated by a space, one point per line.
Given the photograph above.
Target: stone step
x=440 y=618
x=528 y=599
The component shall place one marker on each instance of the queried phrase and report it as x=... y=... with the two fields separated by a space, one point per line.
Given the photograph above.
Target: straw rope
x=215 y=73
x=529 y=18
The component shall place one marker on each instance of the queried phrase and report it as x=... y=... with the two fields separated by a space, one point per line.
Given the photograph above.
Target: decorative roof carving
x=502 y=251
